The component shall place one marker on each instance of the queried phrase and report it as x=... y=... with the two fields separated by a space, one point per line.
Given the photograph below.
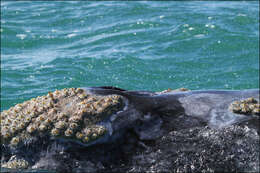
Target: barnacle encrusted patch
x=15 y=163
x=69 y=113
x=247 y=106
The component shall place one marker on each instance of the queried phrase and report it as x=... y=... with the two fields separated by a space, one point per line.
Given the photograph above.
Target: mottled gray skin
x=204 y=107
x=144 y=111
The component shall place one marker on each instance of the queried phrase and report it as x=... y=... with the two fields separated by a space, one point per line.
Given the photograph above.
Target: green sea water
x=141 y=45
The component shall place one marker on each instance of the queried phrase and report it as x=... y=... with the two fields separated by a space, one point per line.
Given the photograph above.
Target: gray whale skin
x=209 y=107
x=184 y=131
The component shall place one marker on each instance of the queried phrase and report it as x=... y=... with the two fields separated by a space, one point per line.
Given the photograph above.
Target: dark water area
x=133 y=45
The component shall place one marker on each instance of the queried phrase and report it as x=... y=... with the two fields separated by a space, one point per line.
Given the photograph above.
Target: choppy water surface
x=133 y=45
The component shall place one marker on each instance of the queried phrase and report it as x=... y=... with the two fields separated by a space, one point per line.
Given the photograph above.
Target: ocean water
x=133 y=45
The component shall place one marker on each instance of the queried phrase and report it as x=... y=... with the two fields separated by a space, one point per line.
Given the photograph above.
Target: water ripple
x=133 y=45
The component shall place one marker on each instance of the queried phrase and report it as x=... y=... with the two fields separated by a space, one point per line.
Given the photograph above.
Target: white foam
x=71 y=35
x=21 y=36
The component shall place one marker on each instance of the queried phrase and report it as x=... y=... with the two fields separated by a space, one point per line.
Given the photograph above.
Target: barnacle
x=50 y=95
x=40 y=118
x=31 y=128
x=73 y=125
x=27 y=119
x=5 y=134
x=13 y=129
x=246 y=106
x=55 y=132
x=79 y=90
x=68 y=113
x=43 y=127
x=21 y=125
x=61 y=116
x=75 y=119
x=87 y=132
x=15 y=141
x=15 y=163
x=60 y=125
x=68 y=132
x=79 y=135
x=82 y=96
x=256 y=111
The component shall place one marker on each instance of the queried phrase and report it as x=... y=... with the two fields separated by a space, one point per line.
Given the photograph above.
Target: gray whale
x=149 y=115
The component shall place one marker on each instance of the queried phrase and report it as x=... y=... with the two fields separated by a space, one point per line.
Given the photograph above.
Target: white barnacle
x=15 y=163
x=27 y=119
x=40 y=109
x=88 y=105
x=15 y=141
x=47 y=121
x=60 y=125
x=68 y=132
x=8 y=121
x=56 y=92
x=243 y=105
x=55 y=132
x=79 y=135
x=50 y=94
x=31 y=129
x=84 y=102
x=256 y=111
x=101 y=130
x=4 y=128
x=82 y=96
x=94 y=136
x=108 y=99
x=61 y=116
x=20 y=116
x=43 y=127
x=72 y=91
x=106 y=104
x=81 y=112
x=14 y=123
x=50 y=104
x=75 y=118
x=5 y=133
x=252 y=106
x=65 y=92
x=87 y=132
x=99 y=110
x=73 y=125
x=40 y=118
x=16 y=110
x=79 y=90
x=21 y=125
x=13 y=115
x=251 y=100
x=91 y=99
x=52 y=111
x=116 y=97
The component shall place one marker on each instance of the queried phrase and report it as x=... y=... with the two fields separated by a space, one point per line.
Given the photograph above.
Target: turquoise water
x=132 y=45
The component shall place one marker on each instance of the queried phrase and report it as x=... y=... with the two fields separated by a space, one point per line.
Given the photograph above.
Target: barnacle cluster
x=16 y=163
x=67 y=113
x=247 y=106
